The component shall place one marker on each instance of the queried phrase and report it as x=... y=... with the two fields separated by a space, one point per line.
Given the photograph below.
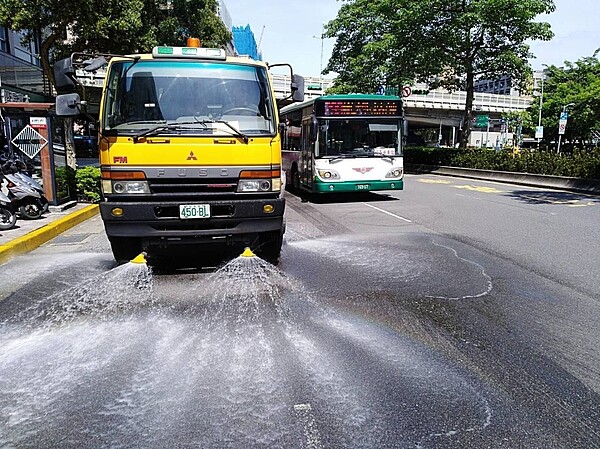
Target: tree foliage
x=447 y=43
x=112 y=26
x=576 y=87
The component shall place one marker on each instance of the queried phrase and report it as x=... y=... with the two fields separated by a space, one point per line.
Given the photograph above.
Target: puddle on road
x=114 y=360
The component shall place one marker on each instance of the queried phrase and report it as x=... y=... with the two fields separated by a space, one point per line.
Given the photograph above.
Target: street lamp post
x=540 y=111
x=321 y=66
x=564 y=110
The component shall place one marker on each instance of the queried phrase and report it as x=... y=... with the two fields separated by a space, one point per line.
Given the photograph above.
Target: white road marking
x=305 y=414
x=388 y=213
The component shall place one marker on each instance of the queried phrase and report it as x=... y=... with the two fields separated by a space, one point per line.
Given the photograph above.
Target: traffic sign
x=380 y=90
x=481 y=121
x=406 y=91
x=539 y=132
x=29 y=141
x=562 y=122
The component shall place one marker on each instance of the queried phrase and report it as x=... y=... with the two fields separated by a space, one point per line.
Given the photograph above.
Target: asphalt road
x=454 y=314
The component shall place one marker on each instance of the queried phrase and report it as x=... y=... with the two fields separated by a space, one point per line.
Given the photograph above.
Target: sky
x=292 y=31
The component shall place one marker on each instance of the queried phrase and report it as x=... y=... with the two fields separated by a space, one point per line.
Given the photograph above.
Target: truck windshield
x=359 y=138
x=140 y=95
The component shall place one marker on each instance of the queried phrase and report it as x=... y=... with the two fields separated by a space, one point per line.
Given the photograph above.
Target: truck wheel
x=125 y=249
x=270 y=246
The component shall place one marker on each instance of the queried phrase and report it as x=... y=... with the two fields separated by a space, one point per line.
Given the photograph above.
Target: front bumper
x=159 y=220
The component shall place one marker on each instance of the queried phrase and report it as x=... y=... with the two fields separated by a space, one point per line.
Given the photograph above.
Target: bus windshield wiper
x=235 y=131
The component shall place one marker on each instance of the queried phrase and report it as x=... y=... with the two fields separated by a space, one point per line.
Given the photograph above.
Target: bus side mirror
x=67 y=105
x=314 y=128
x=297 y=88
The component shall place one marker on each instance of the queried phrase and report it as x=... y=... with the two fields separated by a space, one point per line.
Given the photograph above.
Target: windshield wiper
x=162 y=127
x=177 y=125
x=235 y=131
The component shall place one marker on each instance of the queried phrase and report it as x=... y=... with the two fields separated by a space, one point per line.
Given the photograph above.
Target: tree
x=110 y=26
x=447 y=43
x=576 y=87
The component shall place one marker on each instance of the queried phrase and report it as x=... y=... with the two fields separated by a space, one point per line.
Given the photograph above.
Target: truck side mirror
x=67 y=105
x=64 y=76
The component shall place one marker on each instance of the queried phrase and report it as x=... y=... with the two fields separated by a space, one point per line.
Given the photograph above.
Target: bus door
x=306 y=156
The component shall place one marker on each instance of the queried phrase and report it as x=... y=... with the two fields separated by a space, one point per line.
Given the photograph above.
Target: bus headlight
x=394 y=173
x=328 y=174
x=254 y=185
x=130 y=187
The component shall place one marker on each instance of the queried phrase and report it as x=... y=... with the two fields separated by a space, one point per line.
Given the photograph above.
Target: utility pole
x=322 y=42
x=540 y=112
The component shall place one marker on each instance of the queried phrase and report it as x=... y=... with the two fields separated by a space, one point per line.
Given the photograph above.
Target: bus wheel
x=295 y=179
x=270 y=246
x=125 y=249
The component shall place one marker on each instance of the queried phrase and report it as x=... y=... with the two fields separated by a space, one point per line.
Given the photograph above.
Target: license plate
x=194 y=211
x=363 y=186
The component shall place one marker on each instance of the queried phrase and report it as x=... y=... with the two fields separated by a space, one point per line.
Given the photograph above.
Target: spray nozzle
x=248 y=252
x=140 y=258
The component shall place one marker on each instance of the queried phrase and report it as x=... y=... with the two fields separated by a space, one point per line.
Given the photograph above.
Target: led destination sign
x=351 y=108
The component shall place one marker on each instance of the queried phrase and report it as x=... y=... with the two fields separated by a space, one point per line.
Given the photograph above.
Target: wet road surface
x=373 y=332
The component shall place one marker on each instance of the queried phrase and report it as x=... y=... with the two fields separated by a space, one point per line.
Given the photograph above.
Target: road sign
x=29 y=141
x=539 y=132
x=481 y=121
x=380 y=90
x=406 y=91
x=562 y=122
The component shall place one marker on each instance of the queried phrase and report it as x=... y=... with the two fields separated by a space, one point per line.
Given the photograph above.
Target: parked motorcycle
x=23 y=197
x=8 y=218
x=18 y=168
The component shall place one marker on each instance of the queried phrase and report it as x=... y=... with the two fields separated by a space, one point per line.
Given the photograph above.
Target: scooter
x=18 y=169
x=8 y=218
x=22 y=196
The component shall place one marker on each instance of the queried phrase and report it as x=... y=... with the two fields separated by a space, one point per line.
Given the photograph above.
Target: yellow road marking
x=434 y=181
x=479 y=189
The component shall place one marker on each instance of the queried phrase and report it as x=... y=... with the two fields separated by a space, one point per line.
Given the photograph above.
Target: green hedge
x=579 y=164
x=88 y=184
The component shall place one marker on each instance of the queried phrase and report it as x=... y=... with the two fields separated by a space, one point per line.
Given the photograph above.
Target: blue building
x=245 y=43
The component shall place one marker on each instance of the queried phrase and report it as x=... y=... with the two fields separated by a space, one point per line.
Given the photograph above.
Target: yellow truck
x=190 y=151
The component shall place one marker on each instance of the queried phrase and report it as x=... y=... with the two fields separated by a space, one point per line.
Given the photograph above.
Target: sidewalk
x=29 y=234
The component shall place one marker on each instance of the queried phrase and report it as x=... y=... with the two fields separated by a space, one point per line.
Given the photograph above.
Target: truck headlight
x=254 y=185
x=130 y=187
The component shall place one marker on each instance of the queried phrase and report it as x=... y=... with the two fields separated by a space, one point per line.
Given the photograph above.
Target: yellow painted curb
x=36 y=238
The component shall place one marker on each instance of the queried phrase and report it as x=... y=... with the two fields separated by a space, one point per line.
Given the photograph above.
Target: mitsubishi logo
x=192 y=157
x=363 y=170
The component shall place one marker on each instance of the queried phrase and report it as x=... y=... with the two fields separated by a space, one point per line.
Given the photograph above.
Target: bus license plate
x=363 y=186
x=194 y=211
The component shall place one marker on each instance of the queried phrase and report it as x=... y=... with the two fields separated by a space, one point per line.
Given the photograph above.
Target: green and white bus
x=343 y=143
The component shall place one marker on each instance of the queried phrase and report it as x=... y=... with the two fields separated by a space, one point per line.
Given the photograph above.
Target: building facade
x=21 y=76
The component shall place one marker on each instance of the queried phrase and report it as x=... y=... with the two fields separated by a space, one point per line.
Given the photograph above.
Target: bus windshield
x=146 y=93
x=359 y=138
